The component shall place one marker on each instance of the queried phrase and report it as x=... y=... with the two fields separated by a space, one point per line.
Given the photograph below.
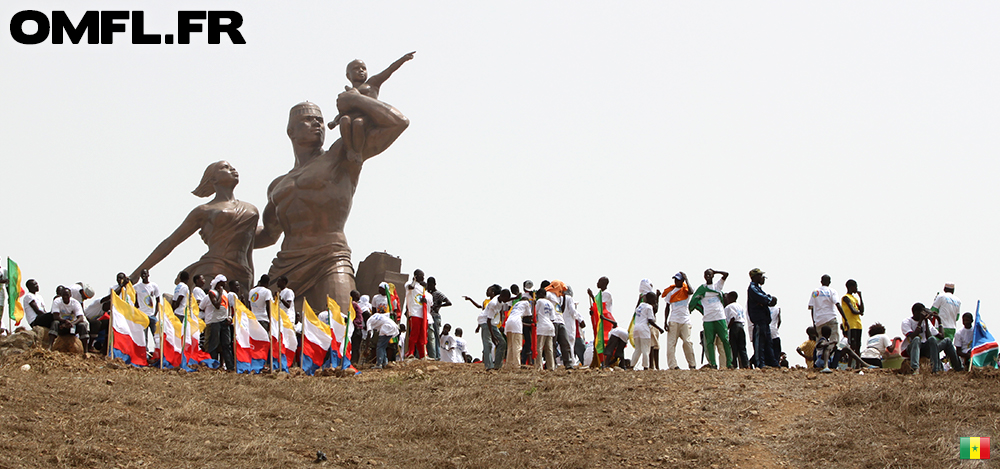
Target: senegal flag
x=14 y=292
x=975 y=448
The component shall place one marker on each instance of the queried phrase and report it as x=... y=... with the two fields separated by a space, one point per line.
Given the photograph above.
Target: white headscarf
x=365 y=304
x=217 y=279
x=645 y=286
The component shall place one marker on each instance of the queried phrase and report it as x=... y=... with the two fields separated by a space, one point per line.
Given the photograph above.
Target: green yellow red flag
x=974 y=448
x=14 y=293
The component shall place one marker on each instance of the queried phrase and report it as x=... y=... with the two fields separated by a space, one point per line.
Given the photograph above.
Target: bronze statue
x=228 y=226
x=352 y=125
x=311 y=203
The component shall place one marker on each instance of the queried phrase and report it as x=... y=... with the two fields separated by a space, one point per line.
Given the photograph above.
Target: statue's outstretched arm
x=271 y=231
x=385 y=123
x=377 y=80
x=188 y=227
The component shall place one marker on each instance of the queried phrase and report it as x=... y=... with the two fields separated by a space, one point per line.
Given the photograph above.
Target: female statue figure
x=228 y=226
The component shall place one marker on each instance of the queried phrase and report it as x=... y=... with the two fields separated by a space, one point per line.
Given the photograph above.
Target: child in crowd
x=808 y=348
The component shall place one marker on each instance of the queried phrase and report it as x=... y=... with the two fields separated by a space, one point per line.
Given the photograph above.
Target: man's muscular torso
x=312 y=202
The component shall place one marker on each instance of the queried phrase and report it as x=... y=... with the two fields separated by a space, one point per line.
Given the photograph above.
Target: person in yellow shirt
x=808 y=348
x=852 y=307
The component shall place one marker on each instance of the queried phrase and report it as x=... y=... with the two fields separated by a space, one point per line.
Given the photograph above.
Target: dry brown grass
x=72 y=412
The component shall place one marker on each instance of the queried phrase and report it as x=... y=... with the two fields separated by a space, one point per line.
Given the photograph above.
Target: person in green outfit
x=707 y=299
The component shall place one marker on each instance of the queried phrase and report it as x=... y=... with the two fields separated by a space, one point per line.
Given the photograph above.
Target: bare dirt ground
x=73 y=412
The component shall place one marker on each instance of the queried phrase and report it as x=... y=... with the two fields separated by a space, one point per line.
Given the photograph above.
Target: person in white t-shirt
x=447 y=344
x=736 y=320
x=644 y=321
x=825 y=307
x=461 y=352
x=260 y=302
x=198 y=294
x=216 y=314
x=483 y=324
x=286 y=300
x=35 y=313
x=947 y=307
x=235 y=294
x=494 y=312
x=877 y=346
x=148 y=300
x=515 y=329
x=923 y=339
x=963 y=340
x=81 y=292
x=678 y=323
x=708 y=300
x=382 y=325
x=775 y=324
x=68 y=316
x=182 y=294
x=418 y=304
x=614 y=350
x=545 y=313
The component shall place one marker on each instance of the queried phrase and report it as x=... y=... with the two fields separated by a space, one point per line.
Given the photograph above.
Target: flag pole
x=233 y=339
x=162 y=333
x=280 y=331
x=110 y=342
x=270 y=342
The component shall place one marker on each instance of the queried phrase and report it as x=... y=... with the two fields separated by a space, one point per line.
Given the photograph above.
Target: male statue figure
x=311 y=203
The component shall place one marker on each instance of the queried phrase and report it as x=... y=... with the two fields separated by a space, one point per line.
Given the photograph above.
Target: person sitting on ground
x=69 y=318
x=460 y=346
x=614 y=350
x=783 y=360
x=34 y=307
x=808 y=348
x=963 y=341
x=877 y=347
x=923 y=339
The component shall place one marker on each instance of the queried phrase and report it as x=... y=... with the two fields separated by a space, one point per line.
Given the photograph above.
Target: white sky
x=560 y=140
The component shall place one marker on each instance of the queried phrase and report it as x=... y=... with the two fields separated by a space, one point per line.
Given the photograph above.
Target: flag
x=251 y=340
x=974 y=448
x=14 y=293
x=984 y=346
x=316 y=340
x=172 y=331
x=598 y=316
x=283 y=338
x=129 y=330
x=395 y=306
x=128 y=293
x=340 y=349
x=193 y=326
x=631 y=325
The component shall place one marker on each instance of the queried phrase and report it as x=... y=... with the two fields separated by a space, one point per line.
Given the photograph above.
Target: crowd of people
x=525 y=327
